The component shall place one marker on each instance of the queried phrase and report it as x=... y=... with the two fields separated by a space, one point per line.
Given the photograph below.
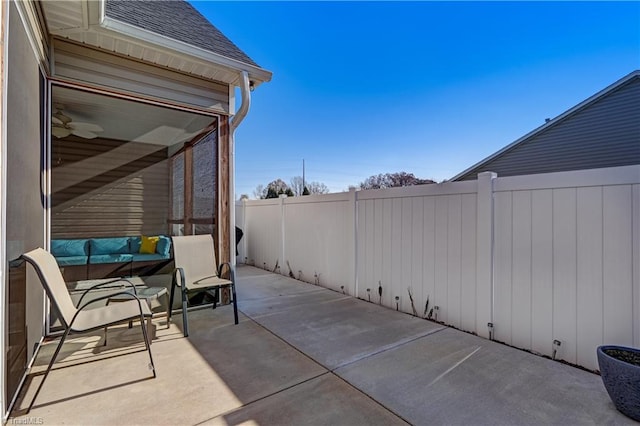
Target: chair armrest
x=228 y=266
x=93 y=287
x=181 y=272
x=123 y=293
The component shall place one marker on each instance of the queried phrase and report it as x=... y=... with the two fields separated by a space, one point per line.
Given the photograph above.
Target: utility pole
x=303 y=181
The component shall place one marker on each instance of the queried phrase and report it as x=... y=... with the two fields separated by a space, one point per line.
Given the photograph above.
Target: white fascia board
x=36 y=33
x=553 y=122
x=180 y=48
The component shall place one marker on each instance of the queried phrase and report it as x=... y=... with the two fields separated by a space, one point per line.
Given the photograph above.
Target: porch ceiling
x=84 y=21
x=128 y=120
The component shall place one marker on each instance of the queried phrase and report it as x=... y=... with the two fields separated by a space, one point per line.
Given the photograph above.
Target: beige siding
x=128 y=196
x=103 y=69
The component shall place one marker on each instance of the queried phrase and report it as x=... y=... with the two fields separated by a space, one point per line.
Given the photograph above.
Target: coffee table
x=151 y=295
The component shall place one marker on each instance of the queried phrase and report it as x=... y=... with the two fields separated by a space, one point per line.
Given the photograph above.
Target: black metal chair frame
x=69 y=327
x=186 y=291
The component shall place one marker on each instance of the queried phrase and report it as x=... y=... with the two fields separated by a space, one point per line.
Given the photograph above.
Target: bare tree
x=296 y=185
x=260 y=192
x=296 y=188
x=392 y=180
x=317 y=188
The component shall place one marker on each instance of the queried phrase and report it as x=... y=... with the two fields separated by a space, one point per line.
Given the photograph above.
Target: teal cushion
x=119 y=245
x=72 y=260
x=143 y=257
x=164 y=246
x=61 y=248
x=110 y=258
x=134 y=245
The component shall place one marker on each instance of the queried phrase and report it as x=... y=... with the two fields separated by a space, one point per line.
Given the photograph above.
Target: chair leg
x=235 y=303
x=169 y=308
x=53 y=359
x=169 y=303
x=105 y=329
x=185 y=323
x=146 y=343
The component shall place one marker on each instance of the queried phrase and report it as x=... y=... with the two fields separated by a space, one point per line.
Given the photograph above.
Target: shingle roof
x=602 y=131
x=178 y=20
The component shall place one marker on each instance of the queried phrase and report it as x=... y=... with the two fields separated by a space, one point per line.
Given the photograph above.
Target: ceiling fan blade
x=85 y=134
x=87 y=127
x=58 y=115
x=60 y=132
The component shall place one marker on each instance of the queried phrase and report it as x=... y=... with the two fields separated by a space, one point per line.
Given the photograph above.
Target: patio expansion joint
x=248 y=403
x=387 y=348
x=281 y=309
x=375 y=401
x=298 y=294
x=327 y=371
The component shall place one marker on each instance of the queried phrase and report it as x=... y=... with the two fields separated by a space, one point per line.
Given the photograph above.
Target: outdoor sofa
x=97 y=258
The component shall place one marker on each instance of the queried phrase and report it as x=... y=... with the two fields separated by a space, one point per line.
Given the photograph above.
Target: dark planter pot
x=620 y=372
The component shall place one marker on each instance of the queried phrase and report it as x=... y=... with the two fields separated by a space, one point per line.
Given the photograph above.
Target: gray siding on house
x=605 y=133
x=25 y=212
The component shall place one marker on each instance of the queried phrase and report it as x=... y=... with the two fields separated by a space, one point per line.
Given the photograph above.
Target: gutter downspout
x=235 y=122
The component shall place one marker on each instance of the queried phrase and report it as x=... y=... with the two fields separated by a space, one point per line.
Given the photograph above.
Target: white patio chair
x=197 y=271
x=80 y=319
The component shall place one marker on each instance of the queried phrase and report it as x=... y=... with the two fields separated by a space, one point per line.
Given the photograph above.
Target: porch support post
x=188 y=190
x=223 y=218
x=223 y=223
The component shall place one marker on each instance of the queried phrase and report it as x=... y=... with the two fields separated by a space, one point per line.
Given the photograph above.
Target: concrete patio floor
x=307 y=355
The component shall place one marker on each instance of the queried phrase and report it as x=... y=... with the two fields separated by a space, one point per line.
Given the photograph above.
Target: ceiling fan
x=63 y=126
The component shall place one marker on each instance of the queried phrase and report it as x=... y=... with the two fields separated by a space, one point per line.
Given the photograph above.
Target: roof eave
x=256 y=74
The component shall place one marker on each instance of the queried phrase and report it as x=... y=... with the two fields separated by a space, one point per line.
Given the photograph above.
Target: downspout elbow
x=245 y=90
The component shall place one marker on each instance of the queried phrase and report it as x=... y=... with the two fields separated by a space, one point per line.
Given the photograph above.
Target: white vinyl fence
x=541 y=257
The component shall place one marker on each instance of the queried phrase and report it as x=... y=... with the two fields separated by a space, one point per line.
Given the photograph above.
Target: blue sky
x=430 y=88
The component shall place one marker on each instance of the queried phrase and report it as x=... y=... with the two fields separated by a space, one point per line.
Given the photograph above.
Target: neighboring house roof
x=602 y=131
x=178 y=20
